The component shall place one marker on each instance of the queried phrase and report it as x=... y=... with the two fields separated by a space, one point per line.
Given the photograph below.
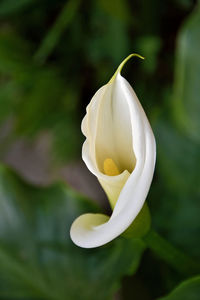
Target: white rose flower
x=120 y=151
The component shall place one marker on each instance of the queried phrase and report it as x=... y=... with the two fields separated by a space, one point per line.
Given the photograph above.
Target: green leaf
x=177 y=137
x=186 y=104
x=179 y=155
x=187 y=290
x=178 y=188
x=36 y=252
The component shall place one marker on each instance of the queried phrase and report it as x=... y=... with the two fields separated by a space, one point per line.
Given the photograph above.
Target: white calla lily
x=120 y=151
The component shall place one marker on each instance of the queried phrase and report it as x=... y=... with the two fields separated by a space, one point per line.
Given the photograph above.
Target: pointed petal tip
x=123 y=63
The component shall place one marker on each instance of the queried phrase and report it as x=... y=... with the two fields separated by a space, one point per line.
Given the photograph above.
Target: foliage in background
x=179 y=144
x=53 y=56
x=37 y=257
x=189 y=289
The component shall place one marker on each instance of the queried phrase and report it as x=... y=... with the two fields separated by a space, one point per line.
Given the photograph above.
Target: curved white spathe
x=116 y=127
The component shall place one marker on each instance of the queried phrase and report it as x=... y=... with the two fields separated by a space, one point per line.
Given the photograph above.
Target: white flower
x=120 y=151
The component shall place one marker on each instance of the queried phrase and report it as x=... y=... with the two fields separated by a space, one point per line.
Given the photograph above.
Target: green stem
x=174 y=257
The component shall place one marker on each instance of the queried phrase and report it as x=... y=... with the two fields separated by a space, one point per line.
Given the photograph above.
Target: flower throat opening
x=110 y=168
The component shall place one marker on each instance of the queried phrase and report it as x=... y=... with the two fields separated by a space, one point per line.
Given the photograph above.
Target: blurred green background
x=54 y=55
